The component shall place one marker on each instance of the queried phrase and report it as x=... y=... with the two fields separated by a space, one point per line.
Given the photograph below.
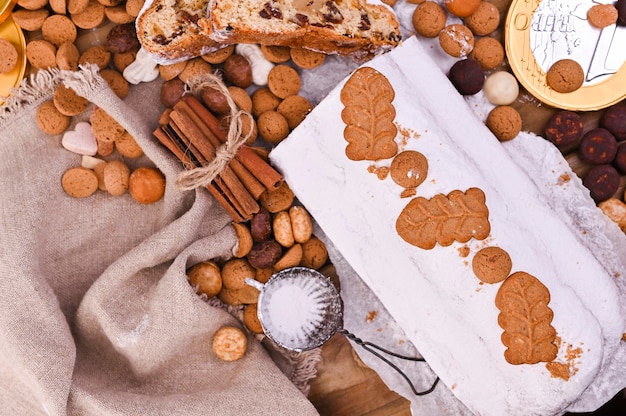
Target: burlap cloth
x=96 y=314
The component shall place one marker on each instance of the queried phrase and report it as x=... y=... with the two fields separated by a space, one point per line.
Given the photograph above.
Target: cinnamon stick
x=207 y=117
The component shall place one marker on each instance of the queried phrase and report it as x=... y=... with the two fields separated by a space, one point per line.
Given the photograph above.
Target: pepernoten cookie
x=492 y=264
x=369 y=115
x=68 y=102
x=8 y=56
x=79 y=182
x=443 y=219
x=409 y=168
x=526 y=320
x=565 y=76
x=50 y=120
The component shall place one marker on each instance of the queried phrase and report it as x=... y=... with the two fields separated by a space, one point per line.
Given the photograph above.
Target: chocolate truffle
x=467 y=76
x=602 y=182
x=621 y=11
x=620 y=158
x=614 y=120
x=598 y=146
x=564 y=128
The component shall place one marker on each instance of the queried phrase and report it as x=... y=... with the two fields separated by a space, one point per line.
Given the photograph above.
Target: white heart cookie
x=80 y=140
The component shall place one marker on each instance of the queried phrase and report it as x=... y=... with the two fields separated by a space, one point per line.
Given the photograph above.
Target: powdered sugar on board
x=432 y=294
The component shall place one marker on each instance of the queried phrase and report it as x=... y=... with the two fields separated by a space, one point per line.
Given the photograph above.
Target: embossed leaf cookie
x=526 y=319
x=444 y=219
x=369 y=114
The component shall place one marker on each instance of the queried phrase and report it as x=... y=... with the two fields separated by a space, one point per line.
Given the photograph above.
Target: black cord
x=368 y=346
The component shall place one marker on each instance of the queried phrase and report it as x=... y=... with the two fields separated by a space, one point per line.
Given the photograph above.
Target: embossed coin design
x=541 y=32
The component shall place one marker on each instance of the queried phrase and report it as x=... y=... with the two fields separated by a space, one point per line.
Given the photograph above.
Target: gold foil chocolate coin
x=539 y=33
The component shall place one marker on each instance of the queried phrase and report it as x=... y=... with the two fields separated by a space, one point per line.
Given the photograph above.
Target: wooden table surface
x=345 y=386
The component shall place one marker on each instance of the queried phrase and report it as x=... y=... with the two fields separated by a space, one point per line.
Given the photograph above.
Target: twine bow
x=204 y=175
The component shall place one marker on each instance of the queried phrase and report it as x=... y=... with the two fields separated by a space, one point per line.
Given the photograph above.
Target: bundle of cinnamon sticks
x=193 y=133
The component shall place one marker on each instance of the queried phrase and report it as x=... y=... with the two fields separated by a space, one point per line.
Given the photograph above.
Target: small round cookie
x=206 y=278
x=291 y=258
x=492 y=264
x=146 y=185
x=122 y=60
x=90 y=18
x=229 y=343
x=235 y=272
x=273 y=127
x=244 y=240
x=263 y=100
x=462 y=8
x=565 y=76
x=602 y=15
x=279 y=199
x=251 y=319
x=118 y=14
x=68 y=102
x=41 y=54
x=195 y=67
x=306 y=58
x=467 y=76
x=58 y=29
x=116 y=177
x=456 y=40
x=505 y=122
x=409 y=168
x=116 y=81
x=98 y=55
x=32 y=4
x=67 y=56
x=501 y=88
x=133 y=7
x=488 y=52
x=484 y=20
x=276 y=54
x=8 y=56
x=428 y=19
x=76 y=6
x=98 y=170
x=105 y=127
x=218 y=56
x=241 y=98
x=127 y=146
x=294 y=108
x=171 y=71
x=283 y=81
x=314 y=253
x=30 y=20
x=79 y=182
x=58 y=6
x=50 y=120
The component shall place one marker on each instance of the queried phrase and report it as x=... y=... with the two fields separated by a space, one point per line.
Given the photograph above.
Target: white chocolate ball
x=501 y=88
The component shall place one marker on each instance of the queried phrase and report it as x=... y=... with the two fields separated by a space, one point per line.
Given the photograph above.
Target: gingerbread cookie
x=444 y=219
x=488 y=52
x=276 y=54
x=50 y=120
x=484 y=20
x=91 y=17
x=97 y=55
x=263 y=100
x=306 y=58
x=294 y=108
x=230 y=343
x=565 y=76
x=41 y=54
x=409 y=168
x=8 y=56
x=273 y=127
x=505 y=122
x=456 y=40
x=58 y=29
x=220 y=55
x=428 y=19
x=492 y=264
x=526 y=320
x=67 y=56
x=79 y=182
x=369 y=115
x=30 y=20
x=283 y=81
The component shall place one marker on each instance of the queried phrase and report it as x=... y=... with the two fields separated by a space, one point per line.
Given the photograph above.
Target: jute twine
x=202 y=176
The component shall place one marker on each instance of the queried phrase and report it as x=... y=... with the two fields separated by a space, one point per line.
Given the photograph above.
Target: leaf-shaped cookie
x=369 y=113
x=526 y=319
x=443 y=219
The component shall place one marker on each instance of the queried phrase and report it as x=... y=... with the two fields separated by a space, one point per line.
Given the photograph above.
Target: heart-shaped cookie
x=81 y=140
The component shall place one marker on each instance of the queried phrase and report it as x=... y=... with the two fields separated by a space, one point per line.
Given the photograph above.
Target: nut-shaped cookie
x=283 y=233
x=301 y=224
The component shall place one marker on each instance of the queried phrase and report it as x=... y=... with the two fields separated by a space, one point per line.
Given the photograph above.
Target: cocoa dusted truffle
x=598 y=146
x=621 y=11
x=602 y=182
x=564 y=128
x=467 y=76
x=614 y=120
x=620 y=158
x=123 y=38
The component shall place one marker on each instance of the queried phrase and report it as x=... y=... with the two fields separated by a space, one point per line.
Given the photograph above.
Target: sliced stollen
x=433 y=294
x=176 y=30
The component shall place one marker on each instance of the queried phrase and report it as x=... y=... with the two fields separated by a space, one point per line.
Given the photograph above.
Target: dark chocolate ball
x=602 y=182
x=621 y=11
x=122 y=38
x=614 y=120
x=467 y=76
x=620 y=158
x=598 y=146
x=564 y=128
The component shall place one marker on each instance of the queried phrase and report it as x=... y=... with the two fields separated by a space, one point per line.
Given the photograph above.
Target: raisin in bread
x=172 y=30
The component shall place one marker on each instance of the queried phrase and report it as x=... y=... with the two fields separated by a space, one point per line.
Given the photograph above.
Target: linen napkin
x=96 y=314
